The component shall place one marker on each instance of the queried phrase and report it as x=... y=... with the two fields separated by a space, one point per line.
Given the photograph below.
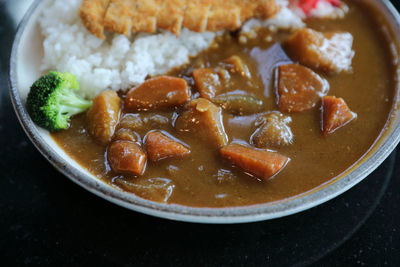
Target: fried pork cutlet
x=127 y=16
x=196 y=15
x=92 y=13
x=145 y=17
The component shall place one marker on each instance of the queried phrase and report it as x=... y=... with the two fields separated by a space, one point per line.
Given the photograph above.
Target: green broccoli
x=52 y=100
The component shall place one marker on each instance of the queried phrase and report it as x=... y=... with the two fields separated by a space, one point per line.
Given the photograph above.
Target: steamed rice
x=120 y=62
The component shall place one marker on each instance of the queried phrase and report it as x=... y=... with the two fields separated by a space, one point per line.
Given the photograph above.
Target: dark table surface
x=45 y=219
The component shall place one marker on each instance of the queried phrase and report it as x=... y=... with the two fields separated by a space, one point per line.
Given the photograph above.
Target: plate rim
x=242 y=214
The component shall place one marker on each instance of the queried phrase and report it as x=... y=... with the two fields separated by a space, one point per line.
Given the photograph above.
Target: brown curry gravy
x=315 y=160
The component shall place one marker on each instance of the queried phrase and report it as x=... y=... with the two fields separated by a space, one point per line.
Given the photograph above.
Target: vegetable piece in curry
x=244 y=123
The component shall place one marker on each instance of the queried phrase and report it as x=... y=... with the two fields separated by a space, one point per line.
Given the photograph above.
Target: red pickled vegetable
x=308 y=5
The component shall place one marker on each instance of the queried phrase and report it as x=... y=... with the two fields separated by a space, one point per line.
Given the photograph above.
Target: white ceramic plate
x=24 y=70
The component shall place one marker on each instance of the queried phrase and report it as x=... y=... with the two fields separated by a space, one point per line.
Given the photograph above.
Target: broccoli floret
x=52 y=100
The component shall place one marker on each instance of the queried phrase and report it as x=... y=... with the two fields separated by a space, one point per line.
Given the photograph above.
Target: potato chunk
x=126 y=157
x=158 y=93
x=204 y=119
x=261 y=163
x=273 y=131
x=160 y=146
x=299 y=88
x=330 y=52
x=335 y=114
x=207 y=82
x=103 y=116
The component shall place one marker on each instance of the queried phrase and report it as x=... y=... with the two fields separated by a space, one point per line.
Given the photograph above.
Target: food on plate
x=160 y=146
x=299 y=88
x=52 y=100
x=274 y=104
x=158 y=93
x=335 y=114
x=239 y=104
x=126 y=16
x=204 y=119
x=263 y=164
x=330 y=52
x=207 y=81
x=126 y=157
x=103 y=116
x=273 y=131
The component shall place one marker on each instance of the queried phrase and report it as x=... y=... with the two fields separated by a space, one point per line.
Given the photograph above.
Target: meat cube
x=103 y=116
x=330 y=52
x=273 y=131
x=207 y=82
x=126 y=157
x=204 y=119
x=299 y=88
x=156 y=189
x=160 y=146
x=335 y=114
x=261 y=163
x=158 y=93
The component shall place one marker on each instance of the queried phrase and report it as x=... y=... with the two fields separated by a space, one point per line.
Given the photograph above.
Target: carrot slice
x=207 y=82
x=126 y=157
x=335 y=114
x=261 y=163
x=299 y=88
x=159 y=146
x=158 y=93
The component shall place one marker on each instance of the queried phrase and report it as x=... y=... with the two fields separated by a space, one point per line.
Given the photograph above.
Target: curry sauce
x=204 y=178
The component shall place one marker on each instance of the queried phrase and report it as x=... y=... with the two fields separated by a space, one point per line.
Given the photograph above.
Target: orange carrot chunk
x=299 y=88
x=158 y=93
x=261 y=163
x=159 y=146
x=207 y=82
x=126 y=157
x=335 y=114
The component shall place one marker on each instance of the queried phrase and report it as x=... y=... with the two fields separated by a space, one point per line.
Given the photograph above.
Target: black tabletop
x=46 y=220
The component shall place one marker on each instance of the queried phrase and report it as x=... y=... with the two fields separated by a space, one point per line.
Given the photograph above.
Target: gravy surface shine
x=203 y=178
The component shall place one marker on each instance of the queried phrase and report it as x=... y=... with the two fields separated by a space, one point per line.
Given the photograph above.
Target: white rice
x=286 y=19
x=119 y=62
